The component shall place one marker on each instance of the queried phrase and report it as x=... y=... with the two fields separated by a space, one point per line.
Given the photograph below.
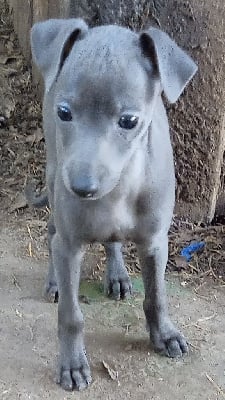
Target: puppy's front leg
x=165 y=338
x=74 y=370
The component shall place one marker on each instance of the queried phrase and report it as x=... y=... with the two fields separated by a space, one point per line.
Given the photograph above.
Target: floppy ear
x=51 y=43
x=174 y=66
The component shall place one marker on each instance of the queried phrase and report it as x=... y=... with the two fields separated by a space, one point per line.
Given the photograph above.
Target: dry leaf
x=181 y=263
x=18 y=313
x=112 y=373
x=4 y=59
x=36 y=137
x=20 y=202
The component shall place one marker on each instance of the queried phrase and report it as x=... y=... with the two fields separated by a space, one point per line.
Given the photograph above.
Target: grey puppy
x=110 y=172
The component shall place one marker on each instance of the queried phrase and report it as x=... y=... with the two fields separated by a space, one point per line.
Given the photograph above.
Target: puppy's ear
x=174 y=66
x=51 y=43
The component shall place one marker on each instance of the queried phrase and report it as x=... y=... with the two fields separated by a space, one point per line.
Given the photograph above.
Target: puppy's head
x=105 y=82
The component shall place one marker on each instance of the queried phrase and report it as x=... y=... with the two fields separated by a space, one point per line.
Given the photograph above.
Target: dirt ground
x=115 y=332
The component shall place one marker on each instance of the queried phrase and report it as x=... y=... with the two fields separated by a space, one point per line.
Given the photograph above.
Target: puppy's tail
x=34 y=200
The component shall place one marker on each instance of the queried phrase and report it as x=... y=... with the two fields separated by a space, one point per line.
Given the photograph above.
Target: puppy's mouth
x=92 y=197
x=88 y=197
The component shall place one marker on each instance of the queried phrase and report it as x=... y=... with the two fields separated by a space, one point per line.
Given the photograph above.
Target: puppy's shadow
x=117 y=342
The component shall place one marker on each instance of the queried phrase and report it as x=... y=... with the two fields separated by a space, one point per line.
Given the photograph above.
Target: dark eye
x=128 y=121
x=64 y=113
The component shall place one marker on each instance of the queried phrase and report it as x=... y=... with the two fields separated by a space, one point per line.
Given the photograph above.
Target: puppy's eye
x=64 y=113
x=128 y=121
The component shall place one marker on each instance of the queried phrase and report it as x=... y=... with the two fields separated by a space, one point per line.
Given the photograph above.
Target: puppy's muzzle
x=85 y=187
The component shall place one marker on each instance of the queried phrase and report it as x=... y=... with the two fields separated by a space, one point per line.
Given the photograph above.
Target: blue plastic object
x=187 y=251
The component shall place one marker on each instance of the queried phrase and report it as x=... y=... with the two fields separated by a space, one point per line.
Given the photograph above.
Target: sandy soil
x=115 y=333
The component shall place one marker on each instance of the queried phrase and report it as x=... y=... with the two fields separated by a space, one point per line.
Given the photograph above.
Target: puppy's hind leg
x=51 y=288
x=117 y=281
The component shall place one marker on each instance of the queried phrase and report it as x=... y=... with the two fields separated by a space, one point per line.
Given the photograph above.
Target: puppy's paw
x=118 y=285
x=74 y=372
x=168 y=341
x=51 y=292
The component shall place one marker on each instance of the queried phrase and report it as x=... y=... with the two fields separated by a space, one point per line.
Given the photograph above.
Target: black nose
x=85 y=188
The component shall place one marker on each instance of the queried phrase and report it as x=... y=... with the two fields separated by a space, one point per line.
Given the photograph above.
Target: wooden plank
x=40 y=10
x=58 y=8
x=26 y=12
x=43 y=9
x=22 y=11
x=40 y=13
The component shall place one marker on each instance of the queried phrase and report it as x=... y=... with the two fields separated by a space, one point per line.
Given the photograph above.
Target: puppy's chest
x=110 y=222
x=123 y=217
